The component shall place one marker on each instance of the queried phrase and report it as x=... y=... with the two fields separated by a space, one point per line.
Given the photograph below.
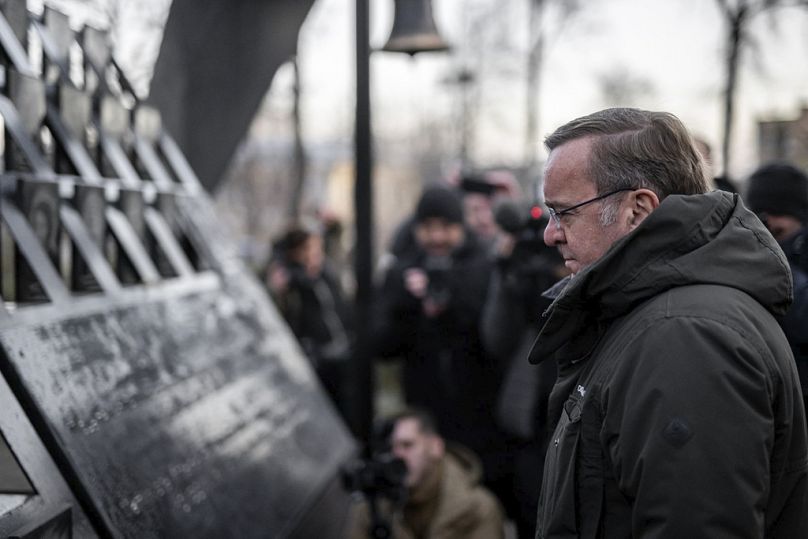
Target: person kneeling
x=444 y=498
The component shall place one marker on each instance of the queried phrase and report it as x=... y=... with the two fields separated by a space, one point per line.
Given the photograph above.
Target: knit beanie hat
x=439 y=202
x=778 y=189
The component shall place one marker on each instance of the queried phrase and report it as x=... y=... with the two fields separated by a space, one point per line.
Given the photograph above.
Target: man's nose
x=553 y=235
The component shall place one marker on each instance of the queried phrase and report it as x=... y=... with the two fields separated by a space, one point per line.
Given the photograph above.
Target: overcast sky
x=673 y=45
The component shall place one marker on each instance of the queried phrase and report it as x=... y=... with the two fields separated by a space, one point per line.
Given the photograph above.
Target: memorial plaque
x=180 y=405
x=148 y=123
x=96 y=48
x=69 y=123
x=190 y=415
x=39 y=202
x=89 y=201
x=28 y=95
x=167 y=208
x=74 y=109
x=114 y=117
x=23 y=122
x=61 y=37
x=16 y=14
x=14 y=36
x=131 y=204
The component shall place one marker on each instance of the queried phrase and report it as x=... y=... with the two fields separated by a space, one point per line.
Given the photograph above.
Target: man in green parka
x=678 y=404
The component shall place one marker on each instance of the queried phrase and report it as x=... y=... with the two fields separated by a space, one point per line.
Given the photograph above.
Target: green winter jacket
x=678 y=404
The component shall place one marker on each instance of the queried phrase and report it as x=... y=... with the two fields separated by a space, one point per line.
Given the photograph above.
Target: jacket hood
x=687 y=240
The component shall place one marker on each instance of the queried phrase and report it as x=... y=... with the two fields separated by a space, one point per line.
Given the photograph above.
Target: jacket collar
x=707 y=239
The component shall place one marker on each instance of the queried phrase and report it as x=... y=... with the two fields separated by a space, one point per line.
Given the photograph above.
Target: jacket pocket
x=558 y=512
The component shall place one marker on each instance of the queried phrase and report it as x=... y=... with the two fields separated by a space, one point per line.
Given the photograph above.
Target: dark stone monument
x=149 y=387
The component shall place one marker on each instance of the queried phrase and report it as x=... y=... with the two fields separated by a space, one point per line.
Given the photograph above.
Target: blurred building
x=785 y=140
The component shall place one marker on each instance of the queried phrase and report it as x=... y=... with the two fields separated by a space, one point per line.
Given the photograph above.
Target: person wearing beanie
x=439 y=203
x=778 y=194
x=428 y=313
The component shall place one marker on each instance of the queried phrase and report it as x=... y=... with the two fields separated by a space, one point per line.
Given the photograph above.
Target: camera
x=438 y=271
x=532 y=266
x=380 y=476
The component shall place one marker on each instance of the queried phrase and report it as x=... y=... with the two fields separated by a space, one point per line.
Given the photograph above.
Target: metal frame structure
x=149 y=388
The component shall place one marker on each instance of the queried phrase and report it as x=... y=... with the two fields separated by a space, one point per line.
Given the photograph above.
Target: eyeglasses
x=558 y=214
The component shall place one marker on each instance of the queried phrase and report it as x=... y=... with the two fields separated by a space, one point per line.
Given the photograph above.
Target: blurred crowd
x=460 y=304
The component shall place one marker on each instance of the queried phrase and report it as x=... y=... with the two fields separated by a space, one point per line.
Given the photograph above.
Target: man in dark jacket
x=778 y=194
x=308 y=294
x=429 y=312
x=678 y=403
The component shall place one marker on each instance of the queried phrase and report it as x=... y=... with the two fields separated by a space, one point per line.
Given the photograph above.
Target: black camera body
x=380 y=476
x=532 y=266
x=438 y=271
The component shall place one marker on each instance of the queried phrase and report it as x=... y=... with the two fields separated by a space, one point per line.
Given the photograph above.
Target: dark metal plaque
x=131 y=204
x=14 y=36
x=191 y=414
x=28 y=95
x=74 y=108
x=16 y=13
x=39 y=202
x=148 y=123
x=96 y=47
x=114 y=117
x=90 y=203
x=21 y=152
x=57 y=25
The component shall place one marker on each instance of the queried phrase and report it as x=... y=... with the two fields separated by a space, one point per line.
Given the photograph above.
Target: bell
x=414 y=29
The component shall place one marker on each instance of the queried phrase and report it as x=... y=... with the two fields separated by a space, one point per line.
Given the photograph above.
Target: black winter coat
x=795 y=321
x=678 y=401
x=445 y=369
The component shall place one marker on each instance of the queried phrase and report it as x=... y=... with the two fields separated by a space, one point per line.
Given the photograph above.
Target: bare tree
x=737 y=15
x=538 y=36
x=135 y=30
x=620 y=87
x=494 y=59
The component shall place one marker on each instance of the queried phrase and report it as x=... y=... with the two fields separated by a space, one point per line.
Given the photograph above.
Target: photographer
x=428 y=313
x=444 y=498
x=511 y=320
x=311 y=300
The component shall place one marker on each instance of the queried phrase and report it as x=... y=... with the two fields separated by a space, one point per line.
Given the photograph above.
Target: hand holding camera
x=431 y=284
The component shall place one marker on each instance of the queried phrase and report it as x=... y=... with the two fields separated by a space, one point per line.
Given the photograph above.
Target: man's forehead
x=406 y=428
x=566 y=173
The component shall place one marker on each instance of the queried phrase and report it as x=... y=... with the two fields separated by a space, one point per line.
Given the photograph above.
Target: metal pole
x=299 y=154
x=361 y=374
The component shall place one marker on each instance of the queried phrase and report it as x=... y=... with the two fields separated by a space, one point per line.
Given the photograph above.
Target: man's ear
x=437 y=447
x=643 y=202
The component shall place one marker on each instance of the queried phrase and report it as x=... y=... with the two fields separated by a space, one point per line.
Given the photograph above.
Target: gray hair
x=635 y=148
